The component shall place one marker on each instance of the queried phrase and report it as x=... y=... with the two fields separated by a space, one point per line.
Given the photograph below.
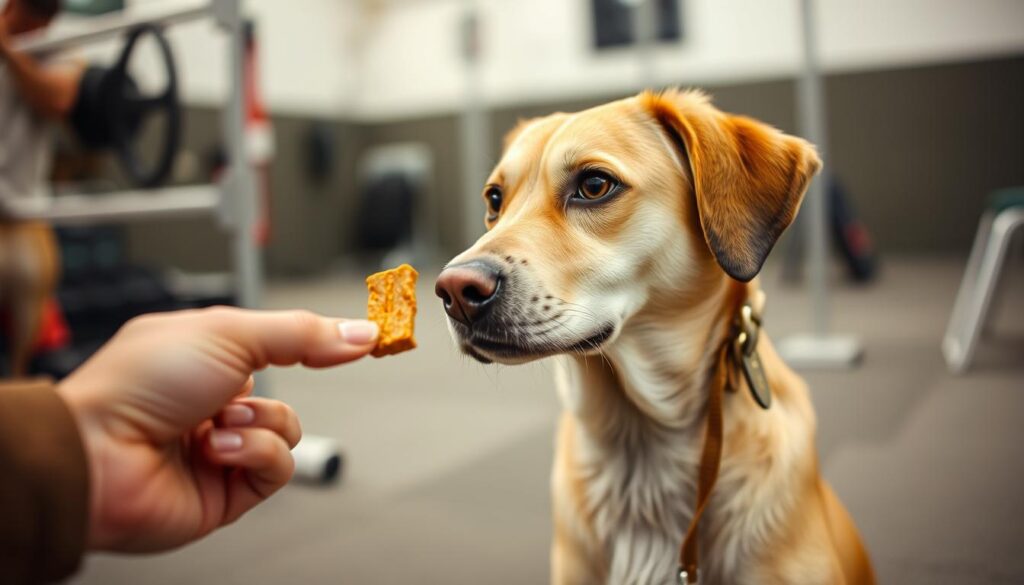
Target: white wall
x=304 y=51
x=382 y=59
x=538 y=50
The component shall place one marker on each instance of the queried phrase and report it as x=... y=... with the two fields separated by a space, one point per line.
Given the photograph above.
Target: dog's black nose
x=468 y=290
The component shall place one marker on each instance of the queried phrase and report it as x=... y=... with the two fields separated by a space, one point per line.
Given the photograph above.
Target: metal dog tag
x=753 y=371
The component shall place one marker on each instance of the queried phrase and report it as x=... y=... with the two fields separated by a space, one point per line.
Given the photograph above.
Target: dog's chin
x=523 y=350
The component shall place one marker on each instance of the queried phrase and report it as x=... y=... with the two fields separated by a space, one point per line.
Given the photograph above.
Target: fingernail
x=238 y=414
x=222 y=440
x=358 y=332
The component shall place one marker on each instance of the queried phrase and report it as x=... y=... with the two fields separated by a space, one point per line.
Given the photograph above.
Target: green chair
x=1005 y=214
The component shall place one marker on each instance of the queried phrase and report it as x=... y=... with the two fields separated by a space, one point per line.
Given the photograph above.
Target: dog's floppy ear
x=748 y=177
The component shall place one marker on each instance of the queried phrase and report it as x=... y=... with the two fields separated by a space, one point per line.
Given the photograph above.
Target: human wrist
x=94 y=441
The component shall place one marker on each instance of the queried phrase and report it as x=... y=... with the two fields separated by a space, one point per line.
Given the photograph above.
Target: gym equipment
x=851 y=235
x=1003 y=218
x=321 y=152
x=110 y=111
x=818 y=348
x=101 y=290
x=233 y=197
x=384 y=219
x=395 y=222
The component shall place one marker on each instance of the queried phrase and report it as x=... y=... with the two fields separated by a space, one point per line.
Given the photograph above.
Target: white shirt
x=25 y=144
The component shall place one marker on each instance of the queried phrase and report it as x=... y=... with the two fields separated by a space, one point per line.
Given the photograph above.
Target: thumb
x=178 y=369
x=290 y=337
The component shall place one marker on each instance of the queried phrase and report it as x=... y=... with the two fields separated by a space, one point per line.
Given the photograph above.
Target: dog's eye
x=494 y=198
x=594 y=185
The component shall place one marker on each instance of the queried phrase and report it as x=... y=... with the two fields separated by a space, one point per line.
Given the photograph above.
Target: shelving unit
x=233 y=199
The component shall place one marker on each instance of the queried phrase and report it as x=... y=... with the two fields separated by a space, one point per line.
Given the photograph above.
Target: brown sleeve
x=44 y=486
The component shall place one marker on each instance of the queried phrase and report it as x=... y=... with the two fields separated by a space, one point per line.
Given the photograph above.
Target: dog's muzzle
x=499 y=312
x=469 y=290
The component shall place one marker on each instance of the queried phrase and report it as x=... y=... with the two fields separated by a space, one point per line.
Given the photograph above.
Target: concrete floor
x=447 y=470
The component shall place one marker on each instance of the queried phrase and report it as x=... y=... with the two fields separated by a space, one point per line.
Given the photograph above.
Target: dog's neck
x=637 y=428
x=637 y=422
x=656 y=372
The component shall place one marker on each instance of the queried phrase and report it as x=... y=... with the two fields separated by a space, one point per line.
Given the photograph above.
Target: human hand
x=176 y=446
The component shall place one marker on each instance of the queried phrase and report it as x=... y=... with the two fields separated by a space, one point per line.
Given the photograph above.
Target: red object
x=259 y=136
x=53 y=330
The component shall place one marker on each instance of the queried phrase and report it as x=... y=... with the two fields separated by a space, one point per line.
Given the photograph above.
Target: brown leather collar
x=732 y=356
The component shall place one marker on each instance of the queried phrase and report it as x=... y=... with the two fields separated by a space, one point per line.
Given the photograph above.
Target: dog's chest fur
x=638 y=428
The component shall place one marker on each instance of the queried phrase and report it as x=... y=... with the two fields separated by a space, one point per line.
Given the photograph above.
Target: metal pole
x=812 y=125
x=103 y=27
x=239 y=182
x=317 y=459
x=818 y=348
x=474 y=134
x=645 y=33
x=166 y=202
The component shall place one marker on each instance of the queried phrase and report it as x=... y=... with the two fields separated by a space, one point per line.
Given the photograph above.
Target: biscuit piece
x=392 y=306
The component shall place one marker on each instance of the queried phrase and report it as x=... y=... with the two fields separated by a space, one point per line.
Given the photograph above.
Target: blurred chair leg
x=999 y=294
x=974 y=299
x=951 y=346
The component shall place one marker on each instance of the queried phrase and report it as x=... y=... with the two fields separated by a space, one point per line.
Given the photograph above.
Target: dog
x=620 y=241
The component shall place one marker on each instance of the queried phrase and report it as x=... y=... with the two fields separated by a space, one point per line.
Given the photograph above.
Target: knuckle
x=279 y=409
x=262 y=452
x=218 y=315
x=283 y=419
x=141 y=321
x=308 y=323
x=268 y=449
x=275 y=412
x=218 y=320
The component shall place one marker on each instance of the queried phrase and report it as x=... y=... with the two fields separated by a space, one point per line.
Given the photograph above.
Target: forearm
x=50 y=91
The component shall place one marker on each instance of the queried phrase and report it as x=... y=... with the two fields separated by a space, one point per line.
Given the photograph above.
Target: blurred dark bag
x=384 y=219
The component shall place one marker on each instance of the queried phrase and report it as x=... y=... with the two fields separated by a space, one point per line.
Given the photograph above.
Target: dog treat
x=392 y=305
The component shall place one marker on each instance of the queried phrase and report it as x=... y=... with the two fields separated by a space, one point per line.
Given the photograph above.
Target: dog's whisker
x=579 y=307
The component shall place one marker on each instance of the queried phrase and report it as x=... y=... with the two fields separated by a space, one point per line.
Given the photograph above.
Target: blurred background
x=371 y=127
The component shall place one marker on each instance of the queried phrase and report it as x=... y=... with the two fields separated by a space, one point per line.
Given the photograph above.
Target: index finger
x=291 y=337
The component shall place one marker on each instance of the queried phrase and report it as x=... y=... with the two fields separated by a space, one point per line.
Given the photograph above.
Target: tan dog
x=617 y=238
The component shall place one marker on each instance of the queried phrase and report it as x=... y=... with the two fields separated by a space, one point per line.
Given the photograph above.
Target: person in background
x=32 y=96
x=155 y=441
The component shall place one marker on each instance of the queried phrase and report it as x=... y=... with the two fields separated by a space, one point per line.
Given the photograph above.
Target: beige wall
x=918 y=148
x=539 y=51
x=380 y=60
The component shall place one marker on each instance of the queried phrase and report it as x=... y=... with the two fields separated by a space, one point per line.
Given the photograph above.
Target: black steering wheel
x=110 y=111
x=131 y=108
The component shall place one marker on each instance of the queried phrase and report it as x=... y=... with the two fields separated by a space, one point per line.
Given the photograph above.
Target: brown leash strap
x=738 y=353
x=710 y=461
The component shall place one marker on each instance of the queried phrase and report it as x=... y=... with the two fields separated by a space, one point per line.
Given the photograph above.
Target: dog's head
x=593 y=216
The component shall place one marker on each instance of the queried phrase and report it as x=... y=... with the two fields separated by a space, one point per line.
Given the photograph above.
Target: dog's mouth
x=499 y=311
x=515 y=349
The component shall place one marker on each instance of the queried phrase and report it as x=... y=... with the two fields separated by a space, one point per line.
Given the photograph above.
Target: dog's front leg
x=570 y=565
x=575 y=558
